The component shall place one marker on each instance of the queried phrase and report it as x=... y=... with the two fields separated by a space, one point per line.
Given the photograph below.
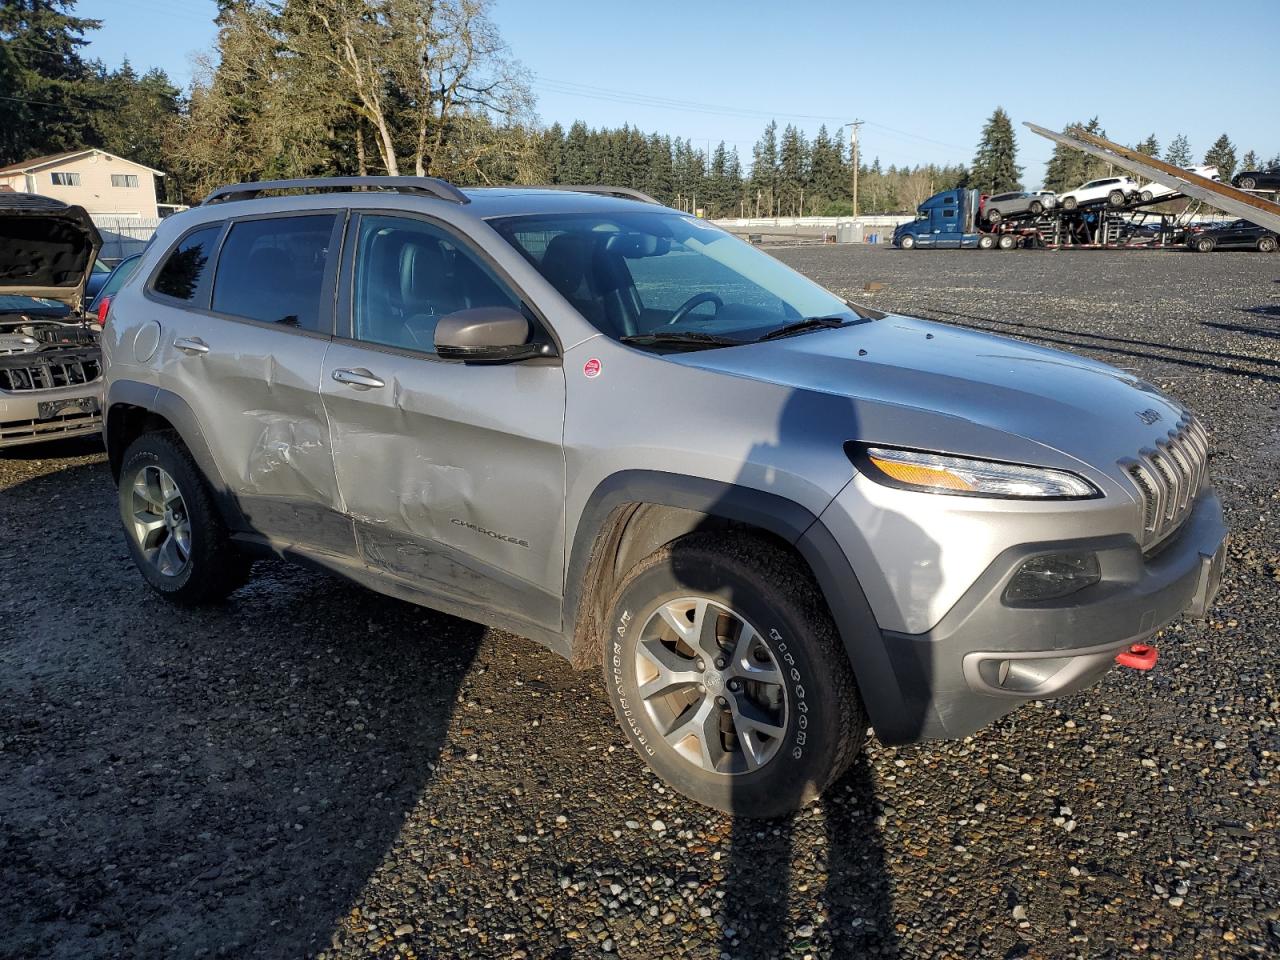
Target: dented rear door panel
x=259 y=388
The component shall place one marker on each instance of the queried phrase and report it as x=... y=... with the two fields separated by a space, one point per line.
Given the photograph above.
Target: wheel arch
x=134 y=409
x=634 y=513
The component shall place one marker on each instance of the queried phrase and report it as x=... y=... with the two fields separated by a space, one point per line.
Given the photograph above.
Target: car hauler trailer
x=953 y=219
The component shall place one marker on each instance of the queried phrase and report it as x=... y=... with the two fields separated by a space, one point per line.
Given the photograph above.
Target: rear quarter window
x=185 y=265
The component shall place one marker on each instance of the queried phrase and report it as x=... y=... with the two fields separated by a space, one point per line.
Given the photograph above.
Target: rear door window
x=274 y=270
x=184 y=268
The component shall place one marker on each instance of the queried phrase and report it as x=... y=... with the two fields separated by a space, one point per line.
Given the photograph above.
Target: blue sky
x=924 y=76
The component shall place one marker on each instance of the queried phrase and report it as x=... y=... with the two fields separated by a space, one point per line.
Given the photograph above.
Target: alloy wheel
x=711 y=685
x=159 y=523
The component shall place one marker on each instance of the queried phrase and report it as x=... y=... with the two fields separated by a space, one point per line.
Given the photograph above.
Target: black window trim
x=345 y=289
x=202 y=303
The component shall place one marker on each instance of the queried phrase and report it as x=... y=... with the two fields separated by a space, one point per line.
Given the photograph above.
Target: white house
x=102 y=183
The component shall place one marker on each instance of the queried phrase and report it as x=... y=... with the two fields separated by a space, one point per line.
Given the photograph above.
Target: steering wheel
x=695 y=301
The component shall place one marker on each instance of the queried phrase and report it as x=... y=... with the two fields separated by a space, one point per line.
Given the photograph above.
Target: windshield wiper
x=681 y=338
x=802 y=326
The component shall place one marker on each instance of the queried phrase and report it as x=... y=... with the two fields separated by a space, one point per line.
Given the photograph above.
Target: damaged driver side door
x=453 y=473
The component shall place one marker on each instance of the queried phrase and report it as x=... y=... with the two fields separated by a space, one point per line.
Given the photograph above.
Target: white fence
x=123 y=236
x=877 y=229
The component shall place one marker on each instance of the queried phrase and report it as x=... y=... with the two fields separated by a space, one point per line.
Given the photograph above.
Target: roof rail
x=430 y=186
x=625 y=193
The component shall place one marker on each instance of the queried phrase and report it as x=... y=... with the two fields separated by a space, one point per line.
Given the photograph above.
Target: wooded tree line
x=298 y=88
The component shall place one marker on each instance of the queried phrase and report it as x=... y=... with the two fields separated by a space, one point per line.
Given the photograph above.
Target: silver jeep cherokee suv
x=767 y=515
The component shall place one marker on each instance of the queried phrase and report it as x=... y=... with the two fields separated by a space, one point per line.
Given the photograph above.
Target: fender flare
x=894 y=717
x=176 y=410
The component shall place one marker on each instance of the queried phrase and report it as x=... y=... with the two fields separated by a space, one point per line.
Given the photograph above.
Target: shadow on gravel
x=786 y=608
x=1241 y=328
x=1015 y=327
x=1266 y=310
x=217 y=782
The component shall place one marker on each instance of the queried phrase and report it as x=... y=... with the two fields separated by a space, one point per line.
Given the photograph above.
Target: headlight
x=936 y=473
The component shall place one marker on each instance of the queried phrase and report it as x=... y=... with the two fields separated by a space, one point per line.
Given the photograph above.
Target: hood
x=900 y=369
x=47 y=248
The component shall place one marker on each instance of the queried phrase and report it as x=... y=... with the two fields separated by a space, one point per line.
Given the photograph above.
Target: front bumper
x=985 y=657
x=32 y=416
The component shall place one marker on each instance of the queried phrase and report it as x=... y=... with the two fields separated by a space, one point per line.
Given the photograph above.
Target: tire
x=907 y=242
x=1267 y=245
x=1007 y=241
x=1248 y=183
x=1146 y=196
x=1204 y=245
x=1070 y=203
x=1116 y=198
x=986 y=241
x=183 y=552
x=747 y=584
x=994 y=217
x=1035 y=208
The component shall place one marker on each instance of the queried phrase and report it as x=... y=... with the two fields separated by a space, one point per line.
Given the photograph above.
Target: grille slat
x=48 y=374
x=1168 y=477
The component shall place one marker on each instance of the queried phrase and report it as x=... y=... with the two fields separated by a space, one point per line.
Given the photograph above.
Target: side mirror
x=487 y=334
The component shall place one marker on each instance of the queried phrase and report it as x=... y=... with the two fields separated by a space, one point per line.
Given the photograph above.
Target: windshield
x=123 y=271
x=634 y=273
x=31 y=306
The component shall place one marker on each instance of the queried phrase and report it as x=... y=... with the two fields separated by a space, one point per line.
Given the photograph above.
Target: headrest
x=565 y=261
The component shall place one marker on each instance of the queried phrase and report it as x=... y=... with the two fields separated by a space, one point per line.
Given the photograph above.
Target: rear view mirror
x=492 y=334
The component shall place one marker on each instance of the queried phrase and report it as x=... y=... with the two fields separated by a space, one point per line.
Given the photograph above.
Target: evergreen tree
x=764 y=171
x=828 y=177
x=51 y=94
x=659 y=180
x=139 y=117
x=1069 y=167
x=1223 y=156
x=580 y=165
x=1149 y=146
x=1249 y=161
x=1179 y=152
x=995 y=168
x=793 y=172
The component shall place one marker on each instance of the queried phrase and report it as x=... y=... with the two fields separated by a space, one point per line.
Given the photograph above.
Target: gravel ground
x=311 y=769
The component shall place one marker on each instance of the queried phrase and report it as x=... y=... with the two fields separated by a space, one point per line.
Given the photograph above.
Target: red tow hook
x=1140 y=656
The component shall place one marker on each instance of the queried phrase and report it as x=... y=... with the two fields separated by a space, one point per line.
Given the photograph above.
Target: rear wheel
x=1267 y=245
x=994 y=216
x=1116 y=198
x=1008 y=241
x=1069 y=203
x=727 y=676
x=986 y=241
x=175 y=534
x=1147 y=196
x=1204 y=245
x=1036 y=208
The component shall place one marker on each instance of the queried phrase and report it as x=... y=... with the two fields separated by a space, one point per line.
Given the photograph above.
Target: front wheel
x=1116 y=198
x=994 y=217
x=726 y=674
x=1204 y=245
x=907 y=242
x=174 y=531
x=1248 y=183
x=1036 y=208
x=1147 y=196
x=1008 y=241
x=1267 y=245
x=1069 y=203
x=986 y=241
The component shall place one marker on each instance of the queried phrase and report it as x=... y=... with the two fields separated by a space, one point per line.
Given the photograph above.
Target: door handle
x=191 y=345
x=361 y=379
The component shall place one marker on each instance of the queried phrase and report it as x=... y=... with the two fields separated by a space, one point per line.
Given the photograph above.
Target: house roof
x=52 y=159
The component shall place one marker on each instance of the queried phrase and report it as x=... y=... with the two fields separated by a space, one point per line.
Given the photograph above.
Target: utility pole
x=853 y=126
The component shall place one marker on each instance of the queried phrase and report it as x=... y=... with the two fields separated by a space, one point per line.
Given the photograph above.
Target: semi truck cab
x=947 y=219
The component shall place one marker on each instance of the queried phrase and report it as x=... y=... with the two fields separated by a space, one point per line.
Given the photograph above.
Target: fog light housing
x=1052 y=577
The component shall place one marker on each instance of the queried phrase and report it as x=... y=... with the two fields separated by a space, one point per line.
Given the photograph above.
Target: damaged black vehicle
x=50 y=358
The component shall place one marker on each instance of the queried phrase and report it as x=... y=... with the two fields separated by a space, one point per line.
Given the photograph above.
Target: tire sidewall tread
x=826 y=721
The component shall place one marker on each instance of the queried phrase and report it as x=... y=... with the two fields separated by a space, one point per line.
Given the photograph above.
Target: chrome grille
x=1168 y=476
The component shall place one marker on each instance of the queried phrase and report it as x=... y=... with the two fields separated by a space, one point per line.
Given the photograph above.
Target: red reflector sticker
x=591 y=369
